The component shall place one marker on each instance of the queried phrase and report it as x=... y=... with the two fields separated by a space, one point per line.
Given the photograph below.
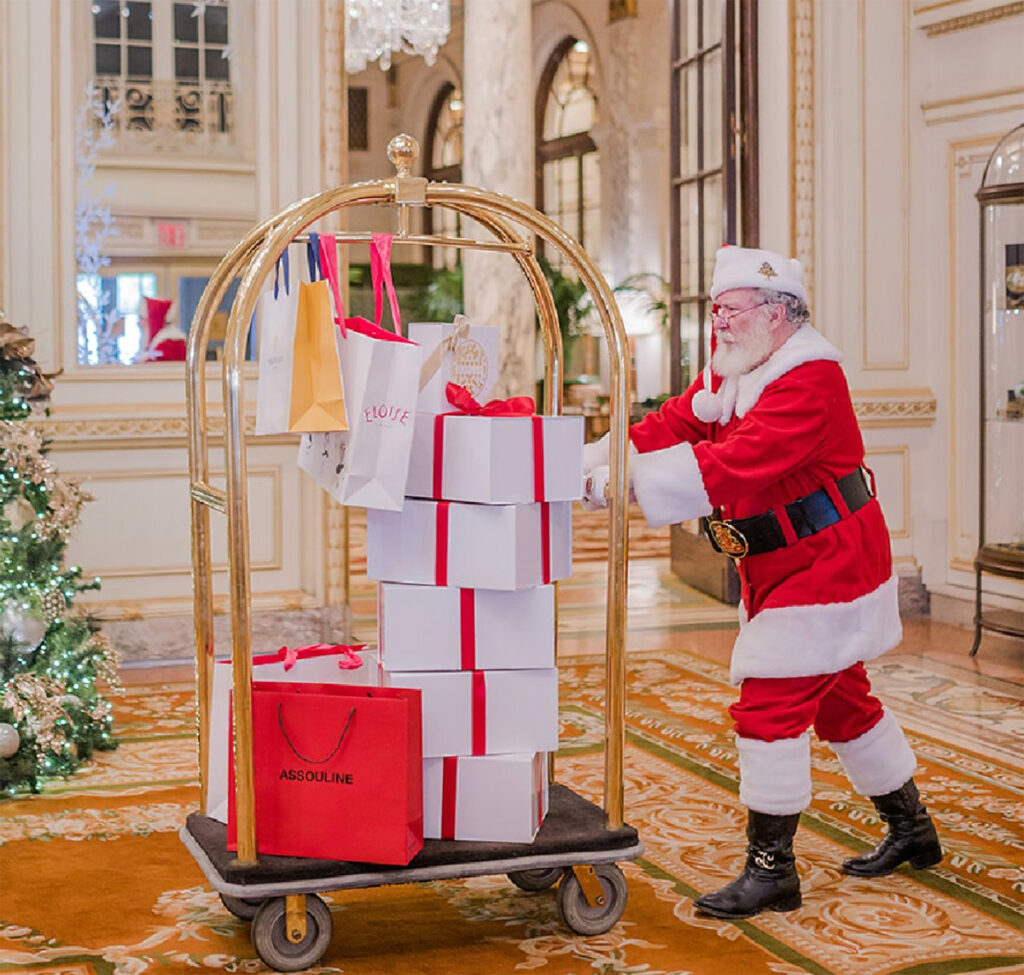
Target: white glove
x=596 y=454
x=595 y=489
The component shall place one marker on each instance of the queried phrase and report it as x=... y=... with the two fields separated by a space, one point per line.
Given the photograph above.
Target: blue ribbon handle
x=281 y=264
x=313 y=257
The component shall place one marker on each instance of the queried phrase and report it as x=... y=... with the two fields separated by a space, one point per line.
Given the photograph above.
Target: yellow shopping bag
x=317 y=396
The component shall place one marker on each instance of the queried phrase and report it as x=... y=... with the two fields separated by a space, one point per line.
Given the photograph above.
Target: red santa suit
x=813 y=610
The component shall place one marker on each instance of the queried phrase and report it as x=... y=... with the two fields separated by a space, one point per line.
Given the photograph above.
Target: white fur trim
x=751 y=267
x=668 y=485
x=741 y=393
x=706 y=405
x=775 y=776
x=800 y=641
x=880 y=760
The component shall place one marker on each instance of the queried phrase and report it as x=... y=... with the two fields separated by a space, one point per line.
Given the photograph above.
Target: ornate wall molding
x=894 y=408
x=801 y=81
x=985 y=15
x=89 y=433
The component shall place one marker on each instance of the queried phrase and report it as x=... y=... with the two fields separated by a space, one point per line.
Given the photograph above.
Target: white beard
x=735 y=359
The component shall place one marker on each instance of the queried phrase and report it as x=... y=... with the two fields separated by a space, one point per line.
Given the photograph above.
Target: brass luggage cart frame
x=579 y=842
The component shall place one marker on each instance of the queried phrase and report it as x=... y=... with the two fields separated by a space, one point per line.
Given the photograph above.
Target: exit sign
x=170 y=234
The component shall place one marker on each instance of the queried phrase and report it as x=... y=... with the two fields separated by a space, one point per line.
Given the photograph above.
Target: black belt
x=807 y=515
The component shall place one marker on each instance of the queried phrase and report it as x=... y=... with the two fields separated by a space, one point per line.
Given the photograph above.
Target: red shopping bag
x=338 y=772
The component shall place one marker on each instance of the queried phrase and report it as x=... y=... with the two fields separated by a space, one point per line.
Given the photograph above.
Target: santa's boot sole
x=920 y=861
x=789 y=903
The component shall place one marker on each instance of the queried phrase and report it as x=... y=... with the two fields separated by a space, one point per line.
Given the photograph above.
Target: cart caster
x=243 y=908
x=535 y=880
x=270 y=935
x=582 y=918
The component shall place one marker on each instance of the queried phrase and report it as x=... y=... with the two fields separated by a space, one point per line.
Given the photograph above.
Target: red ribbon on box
x=479 y=713
x=539 y=771
x=467 y=627
x=449 y=780
x=441 y=543
x=349 y=659
x=466 y=405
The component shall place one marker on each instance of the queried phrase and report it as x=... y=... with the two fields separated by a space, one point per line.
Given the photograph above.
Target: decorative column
x=498 y=155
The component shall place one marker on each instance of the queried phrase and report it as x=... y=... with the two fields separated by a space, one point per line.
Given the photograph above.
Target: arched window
x=568 y=174
x=443 y=162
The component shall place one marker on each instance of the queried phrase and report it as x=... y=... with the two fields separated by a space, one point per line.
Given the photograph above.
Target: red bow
x=463 y=401
x=348 y=661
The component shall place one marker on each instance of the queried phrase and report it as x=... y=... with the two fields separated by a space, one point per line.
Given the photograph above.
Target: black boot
x=911 y=836
x=769 y=879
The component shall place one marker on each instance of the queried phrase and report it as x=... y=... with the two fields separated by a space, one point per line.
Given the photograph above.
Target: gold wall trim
x=975 y=19
x=965 y=99
x=88 y=433
x=882 y=408
x=801 y=137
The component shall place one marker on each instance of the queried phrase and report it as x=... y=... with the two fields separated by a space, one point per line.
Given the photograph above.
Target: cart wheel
x=578 y=915
x=243 y=908
x=270 y=936
x=536 y=880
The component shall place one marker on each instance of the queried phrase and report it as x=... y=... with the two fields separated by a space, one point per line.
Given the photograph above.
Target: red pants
x=840 y=706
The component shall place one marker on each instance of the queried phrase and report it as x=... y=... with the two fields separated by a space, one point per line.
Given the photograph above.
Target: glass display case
x=1001 y=435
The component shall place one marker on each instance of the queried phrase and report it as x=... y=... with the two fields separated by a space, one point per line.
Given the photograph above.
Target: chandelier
x=377 y=29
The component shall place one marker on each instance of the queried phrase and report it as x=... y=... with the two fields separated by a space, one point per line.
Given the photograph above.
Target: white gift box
x=472 y=363
x=484 y=712
x=492 y=798
x=477 y=546
x=494 y=459
x=446 y=628
x=314 y=665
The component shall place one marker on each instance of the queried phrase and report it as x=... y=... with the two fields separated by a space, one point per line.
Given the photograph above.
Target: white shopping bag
x=278 y=309
x=320 y=664
x=368 y=464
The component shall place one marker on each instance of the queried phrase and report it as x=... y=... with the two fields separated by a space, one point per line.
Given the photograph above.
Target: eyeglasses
x=729 y=316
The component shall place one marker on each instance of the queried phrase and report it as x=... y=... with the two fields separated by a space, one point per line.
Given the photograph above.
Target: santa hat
x=156 y=316
x=750 y=267
x=744 y=267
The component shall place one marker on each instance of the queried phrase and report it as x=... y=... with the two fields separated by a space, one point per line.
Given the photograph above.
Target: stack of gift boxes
x=466 y=605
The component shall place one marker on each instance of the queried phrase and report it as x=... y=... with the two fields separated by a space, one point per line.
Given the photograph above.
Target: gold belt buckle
x=728 y=538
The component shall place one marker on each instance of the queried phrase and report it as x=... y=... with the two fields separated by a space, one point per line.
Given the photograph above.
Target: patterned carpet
x=95 y=880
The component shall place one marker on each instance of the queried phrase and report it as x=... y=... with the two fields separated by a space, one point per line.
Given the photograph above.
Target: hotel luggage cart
x=579 y=842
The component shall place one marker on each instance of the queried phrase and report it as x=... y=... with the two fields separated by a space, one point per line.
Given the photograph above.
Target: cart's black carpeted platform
x=573 y=825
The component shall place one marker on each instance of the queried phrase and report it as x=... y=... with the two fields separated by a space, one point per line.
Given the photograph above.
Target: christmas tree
x=54 y=661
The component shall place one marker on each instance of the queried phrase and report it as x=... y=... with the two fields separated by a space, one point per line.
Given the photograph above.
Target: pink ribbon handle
x=380 y=277
x=329 y=267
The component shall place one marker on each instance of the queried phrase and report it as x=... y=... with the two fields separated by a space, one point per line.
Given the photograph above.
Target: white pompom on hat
x=750 y=267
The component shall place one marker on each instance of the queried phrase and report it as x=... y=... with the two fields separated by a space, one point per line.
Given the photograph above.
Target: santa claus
x=164 y=339
x=765 y=447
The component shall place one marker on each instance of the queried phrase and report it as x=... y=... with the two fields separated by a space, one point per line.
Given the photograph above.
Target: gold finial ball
x=402 y=151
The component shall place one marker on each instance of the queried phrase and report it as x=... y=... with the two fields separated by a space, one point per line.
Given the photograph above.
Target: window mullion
x=163 y=43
